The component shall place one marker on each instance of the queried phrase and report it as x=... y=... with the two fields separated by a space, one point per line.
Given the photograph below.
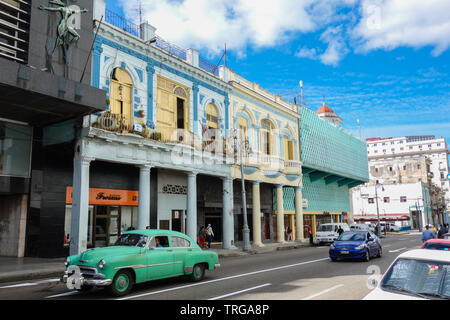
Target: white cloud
x=388 y=24
x=238 y=23
x=335 y=51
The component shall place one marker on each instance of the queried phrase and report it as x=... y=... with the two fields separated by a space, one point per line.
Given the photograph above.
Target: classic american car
x=138 y=256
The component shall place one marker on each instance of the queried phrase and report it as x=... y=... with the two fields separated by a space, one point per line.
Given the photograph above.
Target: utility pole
x=245 y=229
x=378 y=212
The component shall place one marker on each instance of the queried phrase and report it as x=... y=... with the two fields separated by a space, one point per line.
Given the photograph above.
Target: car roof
x=435 y=255
x=153 y=232
x=439 y=241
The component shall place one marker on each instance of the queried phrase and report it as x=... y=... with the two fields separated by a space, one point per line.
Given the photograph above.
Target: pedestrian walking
x=209 y=235
x=428 y=234
x=202 y=237
x=340 y=230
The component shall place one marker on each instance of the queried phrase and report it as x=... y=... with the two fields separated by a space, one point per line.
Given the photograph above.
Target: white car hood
x=378 y=294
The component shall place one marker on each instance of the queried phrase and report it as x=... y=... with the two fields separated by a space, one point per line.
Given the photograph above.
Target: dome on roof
x=324 y=109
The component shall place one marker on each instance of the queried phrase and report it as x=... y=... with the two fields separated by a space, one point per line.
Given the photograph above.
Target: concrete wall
x=13 y=215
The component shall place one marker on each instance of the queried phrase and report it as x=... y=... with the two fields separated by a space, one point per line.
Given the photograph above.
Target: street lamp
x=378 y=211
x=243 y=146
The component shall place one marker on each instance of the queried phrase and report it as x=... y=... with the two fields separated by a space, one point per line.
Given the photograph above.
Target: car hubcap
x=122 y=283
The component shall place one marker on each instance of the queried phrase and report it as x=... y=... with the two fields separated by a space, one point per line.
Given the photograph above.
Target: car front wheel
x=379 y=252
x=198 y=272
x=122 y=283
x=367 y=258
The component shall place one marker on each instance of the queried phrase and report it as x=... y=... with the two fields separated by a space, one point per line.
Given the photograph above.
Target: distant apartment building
x=412 y=159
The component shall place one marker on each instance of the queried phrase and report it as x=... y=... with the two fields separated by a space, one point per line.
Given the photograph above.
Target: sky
x=385 y=63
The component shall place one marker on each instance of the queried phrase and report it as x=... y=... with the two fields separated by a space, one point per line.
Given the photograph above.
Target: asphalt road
x=296 y=274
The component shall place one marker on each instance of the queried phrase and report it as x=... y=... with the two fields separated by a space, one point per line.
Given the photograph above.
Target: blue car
x=356 y=245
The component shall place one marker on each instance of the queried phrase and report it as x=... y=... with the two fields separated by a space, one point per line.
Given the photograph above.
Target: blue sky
x=386 y=63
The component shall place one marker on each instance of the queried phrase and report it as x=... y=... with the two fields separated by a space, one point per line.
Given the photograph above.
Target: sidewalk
x=20 y=269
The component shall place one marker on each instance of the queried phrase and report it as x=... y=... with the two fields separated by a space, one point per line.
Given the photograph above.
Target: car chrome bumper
x=94 y=280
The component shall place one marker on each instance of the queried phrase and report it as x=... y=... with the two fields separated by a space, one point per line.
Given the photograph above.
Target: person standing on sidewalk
x=311 y=240
x=209 y=235
x=202 y=237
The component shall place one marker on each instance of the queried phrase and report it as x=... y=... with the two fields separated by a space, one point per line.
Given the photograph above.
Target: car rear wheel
x=122 y=283
x=198 y=272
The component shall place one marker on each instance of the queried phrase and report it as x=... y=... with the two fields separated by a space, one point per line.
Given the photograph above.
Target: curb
x=20 y=276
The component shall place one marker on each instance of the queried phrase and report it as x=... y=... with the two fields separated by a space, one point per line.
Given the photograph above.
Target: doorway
x=106 y=228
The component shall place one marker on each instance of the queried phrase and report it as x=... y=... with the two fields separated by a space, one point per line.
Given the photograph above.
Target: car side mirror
x=370 y=239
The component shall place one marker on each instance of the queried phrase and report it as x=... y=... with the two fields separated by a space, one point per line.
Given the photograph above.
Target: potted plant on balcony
x=156 y=135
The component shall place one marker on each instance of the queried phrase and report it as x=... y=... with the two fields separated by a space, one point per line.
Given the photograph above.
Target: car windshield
x=426 y=279
x=352 y=236
x=325 y=227
x=437 y=246
x=132 y=240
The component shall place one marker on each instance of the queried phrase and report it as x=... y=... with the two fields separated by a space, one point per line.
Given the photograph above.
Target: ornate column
x=280 y=214
x=256 y=214
x=191 y=217
x=195 y=90
x=144 y=197
x=80 y=204
x=299 y=214
x=227 y=215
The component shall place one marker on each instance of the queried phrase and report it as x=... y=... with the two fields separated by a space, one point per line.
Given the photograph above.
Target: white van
x=359 y=226
x=327 y=232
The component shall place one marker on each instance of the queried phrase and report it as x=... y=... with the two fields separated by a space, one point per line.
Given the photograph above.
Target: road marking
x=69 y=293
x=223 y=279
x=241 y=291
x=323 y=292
x=387 y=245
x=28 y=284
x=397 y=250
x=401 y=239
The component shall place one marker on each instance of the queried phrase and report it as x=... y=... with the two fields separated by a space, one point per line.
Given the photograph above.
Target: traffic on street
x=298 y=274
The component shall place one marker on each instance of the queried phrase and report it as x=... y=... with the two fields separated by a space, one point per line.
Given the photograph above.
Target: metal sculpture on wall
x=66 y=32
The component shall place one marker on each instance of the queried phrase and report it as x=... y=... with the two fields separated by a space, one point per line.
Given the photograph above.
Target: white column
x=144 y=197
x=80 y=204
x=191 y=217
x=280 y=214
x=256 y=214
x=227 y=215
x=299 y=214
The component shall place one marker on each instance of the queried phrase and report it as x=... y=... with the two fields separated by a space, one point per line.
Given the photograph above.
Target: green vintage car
x=138 y=256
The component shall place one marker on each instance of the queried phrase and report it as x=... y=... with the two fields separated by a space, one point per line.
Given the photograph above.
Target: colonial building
x=139 y=163
x=268 y=126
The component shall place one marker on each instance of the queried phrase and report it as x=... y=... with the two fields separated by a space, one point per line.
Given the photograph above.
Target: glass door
x=106 y=225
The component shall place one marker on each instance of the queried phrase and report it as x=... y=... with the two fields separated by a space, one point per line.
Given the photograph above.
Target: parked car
x=394 y=227
x=437 y=244
x=327 y=232
x=415 y=275
x=138 y=256
x=356 y=245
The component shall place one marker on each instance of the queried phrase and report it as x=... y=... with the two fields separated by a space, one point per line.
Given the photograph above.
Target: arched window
x=267 y=137
x=212 y=117
x=121 y=94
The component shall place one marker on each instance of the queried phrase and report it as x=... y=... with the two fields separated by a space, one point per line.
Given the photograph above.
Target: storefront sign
x=106 y=197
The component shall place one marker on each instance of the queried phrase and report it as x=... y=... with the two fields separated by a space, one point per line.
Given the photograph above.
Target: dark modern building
x=45 y=92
